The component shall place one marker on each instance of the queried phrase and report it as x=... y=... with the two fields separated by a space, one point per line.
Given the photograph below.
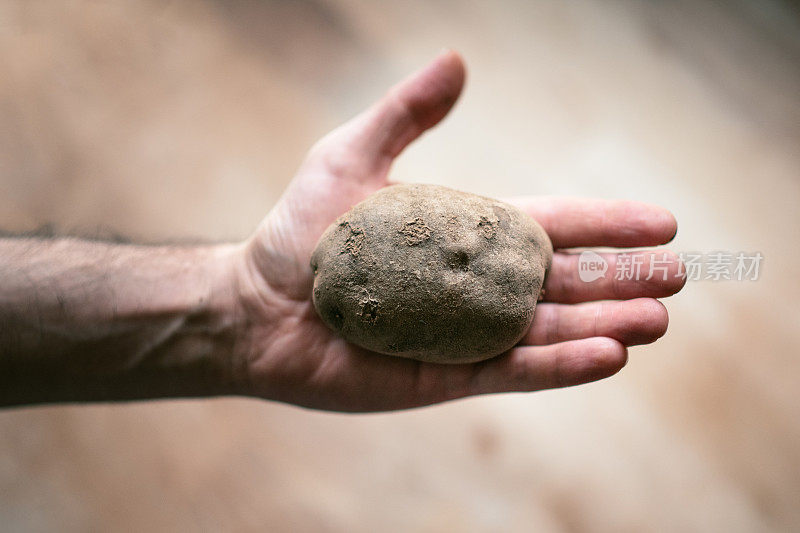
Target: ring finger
x=631 y=322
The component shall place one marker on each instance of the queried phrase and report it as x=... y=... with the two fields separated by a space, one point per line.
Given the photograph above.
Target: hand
x=289 y=355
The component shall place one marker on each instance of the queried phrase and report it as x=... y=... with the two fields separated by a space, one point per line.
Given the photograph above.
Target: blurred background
x=184 y=120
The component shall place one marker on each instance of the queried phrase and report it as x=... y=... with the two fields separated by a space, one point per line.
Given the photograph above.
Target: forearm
x=83 y=321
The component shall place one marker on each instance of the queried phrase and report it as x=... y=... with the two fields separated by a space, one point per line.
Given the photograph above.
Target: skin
x=91 y=321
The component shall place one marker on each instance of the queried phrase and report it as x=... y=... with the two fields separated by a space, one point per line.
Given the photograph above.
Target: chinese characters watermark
x=694 y=266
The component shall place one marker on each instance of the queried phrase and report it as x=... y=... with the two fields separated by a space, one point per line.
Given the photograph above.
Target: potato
x=431 y=273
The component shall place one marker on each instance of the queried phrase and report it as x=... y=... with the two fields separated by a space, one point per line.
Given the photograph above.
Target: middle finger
x=575 y=278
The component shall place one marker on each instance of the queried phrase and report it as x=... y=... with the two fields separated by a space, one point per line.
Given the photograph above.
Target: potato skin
x=431 y=273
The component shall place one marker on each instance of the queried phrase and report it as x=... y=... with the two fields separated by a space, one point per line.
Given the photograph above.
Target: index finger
x=573 y=222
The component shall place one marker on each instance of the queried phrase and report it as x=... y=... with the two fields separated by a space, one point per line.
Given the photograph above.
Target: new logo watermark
x=694 y=266
x=591 y=266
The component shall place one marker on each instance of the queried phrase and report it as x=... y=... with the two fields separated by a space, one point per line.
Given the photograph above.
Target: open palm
x=576 y=337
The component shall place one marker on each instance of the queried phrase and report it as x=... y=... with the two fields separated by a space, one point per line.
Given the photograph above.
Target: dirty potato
x=430 y=273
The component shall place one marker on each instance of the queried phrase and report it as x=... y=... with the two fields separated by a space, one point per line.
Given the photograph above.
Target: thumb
x=379 y=134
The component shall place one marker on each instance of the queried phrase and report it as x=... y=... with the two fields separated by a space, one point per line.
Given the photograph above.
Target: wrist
x=209 y=345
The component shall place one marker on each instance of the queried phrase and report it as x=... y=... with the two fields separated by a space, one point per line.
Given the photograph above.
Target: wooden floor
x=184 y=120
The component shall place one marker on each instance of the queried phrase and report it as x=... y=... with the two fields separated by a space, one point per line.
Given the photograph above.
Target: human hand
x=288 y=354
